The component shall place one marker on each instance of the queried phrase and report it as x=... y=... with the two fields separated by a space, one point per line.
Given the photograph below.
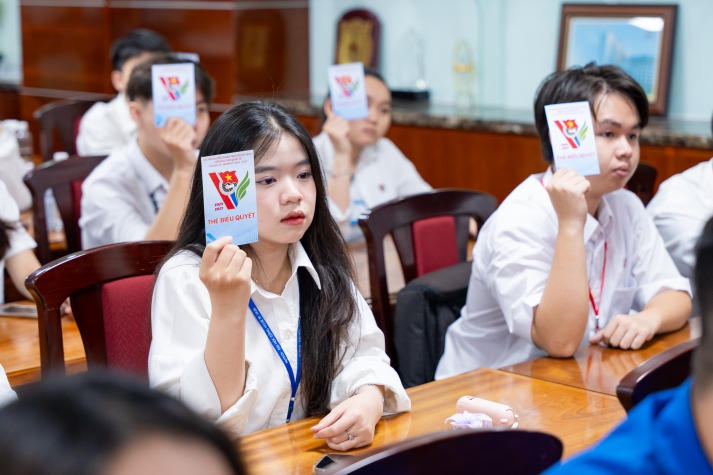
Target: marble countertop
x=660 y=130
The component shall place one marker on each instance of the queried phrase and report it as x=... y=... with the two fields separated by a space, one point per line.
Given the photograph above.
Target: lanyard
x=595 y=305
x=294 y=381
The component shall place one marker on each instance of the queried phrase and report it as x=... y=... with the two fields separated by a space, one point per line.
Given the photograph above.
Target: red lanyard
x=595 y=305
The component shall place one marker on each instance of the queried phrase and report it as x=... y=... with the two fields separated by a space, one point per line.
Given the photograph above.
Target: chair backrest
x=643 y=181
x=397 y=219
x=64 y=178
x=110 y=291
x=461 y=451
x=666 y=370
x=59 y=120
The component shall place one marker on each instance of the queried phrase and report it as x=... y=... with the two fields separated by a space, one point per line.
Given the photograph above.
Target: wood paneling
x=65 y=48
x=485 y=161
x=248 y=47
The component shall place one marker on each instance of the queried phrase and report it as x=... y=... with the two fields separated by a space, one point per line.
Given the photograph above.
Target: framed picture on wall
x=637 y=38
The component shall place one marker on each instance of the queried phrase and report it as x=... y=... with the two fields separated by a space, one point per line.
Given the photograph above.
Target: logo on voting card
x=347 y=84
x=173 y=86
x=230 y=188
x=572 y=132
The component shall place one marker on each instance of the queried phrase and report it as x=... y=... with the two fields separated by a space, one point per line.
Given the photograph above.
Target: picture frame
x=637 y=38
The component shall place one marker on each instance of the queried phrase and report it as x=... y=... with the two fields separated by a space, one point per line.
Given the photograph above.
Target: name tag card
x=572 y=137
x=229 y=199
x=347 y=92
x=173 y=87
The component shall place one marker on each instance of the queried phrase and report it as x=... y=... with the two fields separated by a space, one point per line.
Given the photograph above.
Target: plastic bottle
x=24 y=140
x=52 y=216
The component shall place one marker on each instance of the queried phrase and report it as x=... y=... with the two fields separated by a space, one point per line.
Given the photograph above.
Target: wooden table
x=579 y=417
x=598 y=368
x=20 y=348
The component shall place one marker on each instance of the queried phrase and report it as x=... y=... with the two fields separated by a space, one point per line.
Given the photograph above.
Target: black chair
x=667 y=369
x=460 y=451
x=425 y=308
x=643 y=182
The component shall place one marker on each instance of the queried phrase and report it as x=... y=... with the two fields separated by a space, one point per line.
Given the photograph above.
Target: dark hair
x=324 y=314
x=6 y=227
x=139 y=85
x=367 y=72
x=586 y=83
x=76 y=425
x=134 y=43
x=703 y=283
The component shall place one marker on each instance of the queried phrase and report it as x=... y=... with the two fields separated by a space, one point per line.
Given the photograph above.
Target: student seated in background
x=139 y=192
x=6 y=392
x=16 y=245
x=234 y=327
x=565 y=258
x=108 y=424
x=669 y=432
x=108 y=125
x=364 y=168
x=13 y=168
x=680 y=208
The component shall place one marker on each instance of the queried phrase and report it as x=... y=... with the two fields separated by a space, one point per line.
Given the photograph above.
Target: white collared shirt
x=19 y=238
x=105 y=127
x=120 y=198
x=512 y=260
x=382 y=173
x=180 y=316
x=680 y=208
x=6 y=392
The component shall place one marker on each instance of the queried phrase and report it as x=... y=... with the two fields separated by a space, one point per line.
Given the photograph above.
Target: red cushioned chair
x=430 y=231
x=110 y=290
x=64 y=178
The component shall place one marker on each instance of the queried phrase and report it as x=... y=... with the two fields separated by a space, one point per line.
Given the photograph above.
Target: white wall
x=10 y=47
x=515 y=45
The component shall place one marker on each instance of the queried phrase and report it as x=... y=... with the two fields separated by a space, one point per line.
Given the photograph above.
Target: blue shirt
x=658 y=436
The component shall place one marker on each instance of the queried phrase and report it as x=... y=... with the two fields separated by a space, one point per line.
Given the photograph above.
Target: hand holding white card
x=572 y=137
x=347 y=91
x=229 y=200
x=173 y=88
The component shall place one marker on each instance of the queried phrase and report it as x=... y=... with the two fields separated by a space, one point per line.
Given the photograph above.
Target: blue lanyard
x=294 y=382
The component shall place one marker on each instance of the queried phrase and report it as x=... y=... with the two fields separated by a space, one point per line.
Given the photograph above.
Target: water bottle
x=24 y=140
x=52 y=216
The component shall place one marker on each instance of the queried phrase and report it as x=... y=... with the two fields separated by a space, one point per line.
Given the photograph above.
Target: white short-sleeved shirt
x=6 y=392
x=105 y=127
x=382 y=173
x=20 y=240
x=512 y=260
x=13 y=168
x=120 y=198
x=680 y=208
x=180 y=317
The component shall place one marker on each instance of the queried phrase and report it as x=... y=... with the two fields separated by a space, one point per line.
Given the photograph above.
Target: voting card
x=229 y=197
x=347 y=92
x=572 y=137
x=174 y=92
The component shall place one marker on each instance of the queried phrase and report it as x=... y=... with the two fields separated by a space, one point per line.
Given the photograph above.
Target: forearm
x=559 y=321
x=225 y=357
x=670 y=309
x=167 y=221
x=19 y=266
